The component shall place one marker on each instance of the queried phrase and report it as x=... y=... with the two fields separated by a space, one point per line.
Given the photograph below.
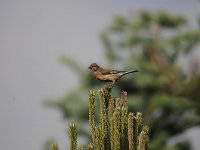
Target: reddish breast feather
x=99 y=76
x=96 y=74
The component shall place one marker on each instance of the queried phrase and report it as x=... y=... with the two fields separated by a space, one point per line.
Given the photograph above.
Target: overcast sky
x=33 y=33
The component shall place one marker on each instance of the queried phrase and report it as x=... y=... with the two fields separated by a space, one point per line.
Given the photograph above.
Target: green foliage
x=191 y=91
x=152 y=43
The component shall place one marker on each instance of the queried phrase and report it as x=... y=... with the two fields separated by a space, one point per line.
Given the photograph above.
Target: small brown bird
x=108 y=75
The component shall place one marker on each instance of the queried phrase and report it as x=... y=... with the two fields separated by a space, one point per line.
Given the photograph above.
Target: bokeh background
x=46 y=47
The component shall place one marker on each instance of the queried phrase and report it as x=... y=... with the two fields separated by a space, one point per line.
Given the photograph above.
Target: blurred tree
x=151 y=43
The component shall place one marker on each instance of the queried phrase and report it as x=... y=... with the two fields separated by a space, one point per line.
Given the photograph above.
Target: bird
x=108 y=75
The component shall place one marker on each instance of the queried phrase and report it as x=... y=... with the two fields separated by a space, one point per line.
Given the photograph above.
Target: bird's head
x=93 y=67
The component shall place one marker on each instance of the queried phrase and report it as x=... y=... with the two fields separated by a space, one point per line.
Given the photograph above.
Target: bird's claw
x=109 y=86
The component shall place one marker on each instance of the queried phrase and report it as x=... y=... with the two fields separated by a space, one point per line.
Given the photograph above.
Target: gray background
x=33 y=34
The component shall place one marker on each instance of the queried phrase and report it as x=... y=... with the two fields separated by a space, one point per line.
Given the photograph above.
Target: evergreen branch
x=54 y=147
x=92 y=113
x=143 y=139
x=73 y=136
x=130 y=131
x=116 y=129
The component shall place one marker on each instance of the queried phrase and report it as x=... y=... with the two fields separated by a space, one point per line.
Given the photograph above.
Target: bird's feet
x=109 y=86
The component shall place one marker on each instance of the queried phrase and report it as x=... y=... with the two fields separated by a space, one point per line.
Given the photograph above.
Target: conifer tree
x=152 y=43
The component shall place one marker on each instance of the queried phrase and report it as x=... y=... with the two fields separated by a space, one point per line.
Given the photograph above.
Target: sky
x=33 y=34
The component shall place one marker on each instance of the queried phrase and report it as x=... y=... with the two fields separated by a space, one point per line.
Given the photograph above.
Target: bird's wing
x=104 y=71
x=108 y=71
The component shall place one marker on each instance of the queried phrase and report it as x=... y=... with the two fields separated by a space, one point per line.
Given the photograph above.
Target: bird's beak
x=89 y=67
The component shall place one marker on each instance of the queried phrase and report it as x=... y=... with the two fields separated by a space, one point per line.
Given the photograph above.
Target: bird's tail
x=127 y=72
